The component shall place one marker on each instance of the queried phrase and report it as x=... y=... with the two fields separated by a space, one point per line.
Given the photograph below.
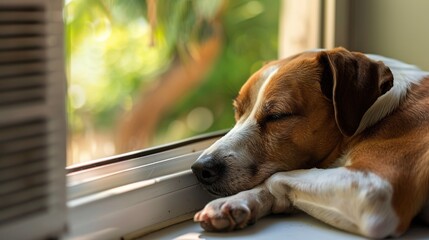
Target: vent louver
x=23 y=170
x=23 y=62
x=32 y=125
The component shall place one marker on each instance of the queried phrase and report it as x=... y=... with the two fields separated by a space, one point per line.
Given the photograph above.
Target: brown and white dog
x=340 y=135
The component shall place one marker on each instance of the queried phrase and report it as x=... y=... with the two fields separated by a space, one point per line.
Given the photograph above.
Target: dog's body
x=341 y=136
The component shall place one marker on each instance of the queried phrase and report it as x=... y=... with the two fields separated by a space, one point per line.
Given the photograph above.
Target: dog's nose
x=208 y=169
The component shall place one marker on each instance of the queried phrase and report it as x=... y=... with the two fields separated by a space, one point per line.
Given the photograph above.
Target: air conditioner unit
x=32 y=120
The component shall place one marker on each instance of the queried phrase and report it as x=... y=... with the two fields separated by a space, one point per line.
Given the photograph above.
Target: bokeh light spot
x=199 y=119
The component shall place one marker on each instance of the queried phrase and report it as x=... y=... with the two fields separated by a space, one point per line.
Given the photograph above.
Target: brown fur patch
x=400 y=156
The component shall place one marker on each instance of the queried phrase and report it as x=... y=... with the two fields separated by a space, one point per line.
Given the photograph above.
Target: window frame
x=102 y=193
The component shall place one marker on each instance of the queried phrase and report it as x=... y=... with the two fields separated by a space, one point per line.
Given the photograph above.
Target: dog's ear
x=353 y=82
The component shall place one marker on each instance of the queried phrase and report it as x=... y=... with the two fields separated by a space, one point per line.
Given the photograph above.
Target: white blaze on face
x=246 y=127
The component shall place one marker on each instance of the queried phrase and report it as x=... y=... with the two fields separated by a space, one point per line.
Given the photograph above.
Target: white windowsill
x=299 y=226
x=135 y=209
x=138 y=194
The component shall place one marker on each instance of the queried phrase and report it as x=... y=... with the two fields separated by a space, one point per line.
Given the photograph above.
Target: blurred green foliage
x=112 y=54
x=250 y=39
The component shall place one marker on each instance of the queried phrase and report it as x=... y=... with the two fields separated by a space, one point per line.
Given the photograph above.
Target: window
x=171 y=70
x=144 y=73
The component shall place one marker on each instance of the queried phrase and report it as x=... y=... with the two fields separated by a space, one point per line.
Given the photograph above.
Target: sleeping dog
x=340 y=135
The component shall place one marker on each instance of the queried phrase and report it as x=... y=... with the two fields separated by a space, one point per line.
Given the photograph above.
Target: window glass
x=144 y=73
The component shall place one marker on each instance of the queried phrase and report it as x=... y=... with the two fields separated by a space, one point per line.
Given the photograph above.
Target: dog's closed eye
x=274 y=111
x=277 y=116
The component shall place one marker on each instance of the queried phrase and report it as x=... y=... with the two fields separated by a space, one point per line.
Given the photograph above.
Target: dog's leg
x=240 y=210
x=353 y=201
x=350 y=200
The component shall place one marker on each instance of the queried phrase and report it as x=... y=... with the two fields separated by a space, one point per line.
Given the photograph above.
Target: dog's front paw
x=225 y=214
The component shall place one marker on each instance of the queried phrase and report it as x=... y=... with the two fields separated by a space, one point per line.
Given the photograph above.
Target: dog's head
x=292 y=114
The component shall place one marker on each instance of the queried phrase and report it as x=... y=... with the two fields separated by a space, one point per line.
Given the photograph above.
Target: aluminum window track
x=136 y=193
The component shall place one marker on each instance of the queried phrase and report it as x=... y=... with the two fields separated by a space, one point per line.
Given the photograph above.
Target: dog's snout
x=208 y=169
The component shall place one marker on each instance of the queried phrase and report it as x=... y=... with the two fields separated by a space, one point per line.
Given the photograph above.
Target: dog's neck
x=404 y=76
